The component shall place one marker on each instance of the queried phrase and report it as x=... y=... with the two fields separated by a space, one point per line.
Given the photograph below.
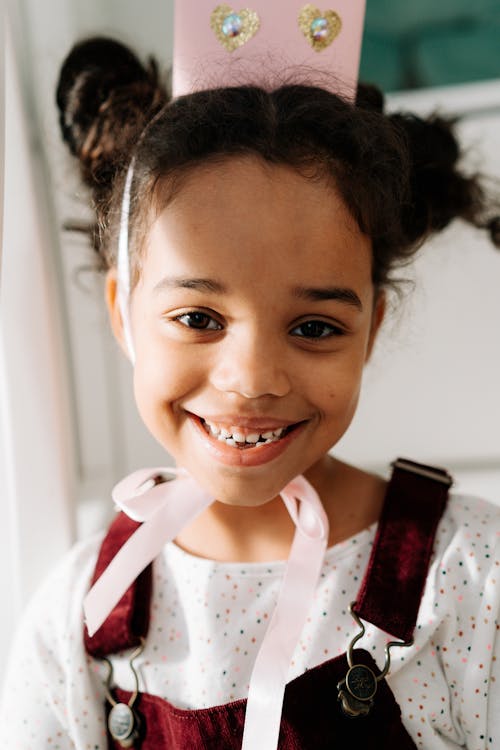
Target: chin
x=245 y=501
x=236 y=491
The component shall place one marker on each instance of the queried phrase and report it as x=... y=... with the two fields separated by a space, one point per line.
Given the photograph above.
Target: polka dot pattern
x=208 y=621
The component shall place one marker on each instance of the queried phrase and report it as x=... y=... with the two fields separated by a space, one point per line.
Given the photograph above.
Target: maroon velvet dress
x=312 y=717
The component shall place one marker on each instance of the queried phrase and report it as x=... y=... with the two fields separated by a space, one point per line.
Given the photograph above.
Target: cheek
x=339 y=405
x=163 y=375
x=336 y=388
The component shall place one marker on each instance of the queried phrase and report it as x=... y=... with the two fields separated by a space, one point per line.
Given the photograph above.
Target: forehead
x=244 y=216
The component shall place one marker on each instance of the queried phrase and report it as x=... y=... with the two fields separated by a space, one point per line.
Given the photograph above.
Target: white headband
x=123 y=264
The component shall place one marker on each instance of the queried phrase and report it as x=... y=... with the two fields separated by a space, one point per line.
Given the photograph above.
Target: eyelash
x=333 y=330
x=203 y=315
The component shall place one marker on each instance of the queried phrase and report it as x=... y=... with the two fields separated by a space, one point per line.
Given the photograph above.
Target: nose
x=251 y=365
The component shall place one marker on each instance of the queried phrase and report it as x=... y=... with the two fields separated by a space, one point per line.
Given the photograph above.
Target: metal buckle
x=123 y=722
x=356 y=692
x=439 y=475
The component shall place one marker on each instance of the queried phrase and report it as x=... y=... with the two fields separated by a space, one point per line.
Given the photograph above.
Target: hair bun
x=494 y=228
x=105 y=97
x=440 y=191
x=369 y=96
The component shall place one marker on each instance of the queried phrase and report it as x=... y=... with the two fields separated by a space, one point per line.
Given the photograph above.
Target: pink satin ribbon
x=164 y=509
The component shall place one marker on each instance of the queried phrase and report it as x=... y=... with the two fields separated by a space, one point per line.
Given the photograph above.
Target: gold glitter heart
x=330 y=20
x=248 y=19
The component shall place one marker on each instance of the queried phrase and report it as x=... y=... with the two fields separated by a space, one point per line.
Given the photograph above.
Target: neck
x=228 y=533
x=231 y=533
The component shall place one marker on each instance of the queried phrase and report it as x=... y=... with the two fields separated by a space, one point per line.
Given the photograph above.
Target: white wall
x=37 y=460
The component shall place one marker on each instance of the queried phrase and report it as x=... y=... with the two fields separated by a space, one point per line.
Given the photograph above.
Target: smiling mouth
x=246 y=439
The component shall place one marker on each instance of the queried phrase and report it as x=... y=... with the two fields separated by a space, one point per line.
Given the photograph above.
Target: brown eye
x=316 y=329
x=199 y=320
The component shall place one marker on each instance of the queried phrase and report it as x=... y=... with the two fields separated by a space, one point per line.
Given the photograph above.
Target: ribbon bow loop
x=310 y=517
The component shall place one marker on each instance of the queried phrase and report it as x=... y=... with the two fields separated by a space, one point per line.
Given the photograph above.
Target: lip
x=260 y=454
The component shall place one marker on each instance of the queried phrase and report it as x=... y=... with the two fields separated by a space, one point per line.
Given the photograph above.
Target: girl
x=262 y=228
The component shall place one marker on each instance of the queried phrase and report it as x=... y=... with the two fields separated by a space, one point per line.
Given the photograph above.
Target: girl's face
x=252 y=320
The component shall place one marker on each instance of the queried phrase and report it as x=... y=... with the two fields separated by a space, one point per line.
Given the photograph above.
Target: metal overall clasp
x=356 y=692
x=123 y=722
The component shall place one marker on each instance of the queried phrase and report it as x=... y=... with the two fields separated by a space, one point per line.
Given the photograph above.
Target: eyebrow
x=311 y=294
x=321 y=294
x=180 y=282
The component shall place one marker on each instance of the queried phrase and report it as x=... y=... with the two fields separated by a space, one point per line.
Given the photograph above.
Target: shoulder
x=455 y=640
x=462 y=580
x=469 y=526
x=50 y=688
x=469 y=508
x=56 y=607
x=468 y=539
x=78 y=563
x=49 y=637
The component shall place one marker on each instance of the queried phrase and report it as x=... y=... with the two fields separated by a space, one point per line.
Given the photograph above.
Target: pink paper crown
x=268 y=44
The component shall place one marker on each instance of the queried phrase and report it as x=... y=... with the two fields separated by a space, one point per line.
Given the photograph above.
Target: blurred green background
x=430 y=42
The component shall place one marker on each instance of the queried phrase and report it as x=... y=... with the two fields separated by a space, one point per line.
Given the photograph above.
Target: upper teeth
x=235 y=435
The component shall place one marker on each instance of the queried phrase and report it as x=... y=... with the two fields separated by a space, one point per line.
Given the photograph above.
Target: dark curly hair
x=398 y=174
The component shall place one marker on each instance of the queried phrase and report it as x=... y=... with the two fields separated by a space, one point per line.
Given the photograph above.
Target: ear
x=115 y=316
x=378 y=316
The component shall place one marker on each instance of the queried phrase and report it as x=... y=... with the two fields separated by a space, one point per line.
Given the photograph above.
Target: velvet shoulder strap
x=129 y=620
x=389 y=595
